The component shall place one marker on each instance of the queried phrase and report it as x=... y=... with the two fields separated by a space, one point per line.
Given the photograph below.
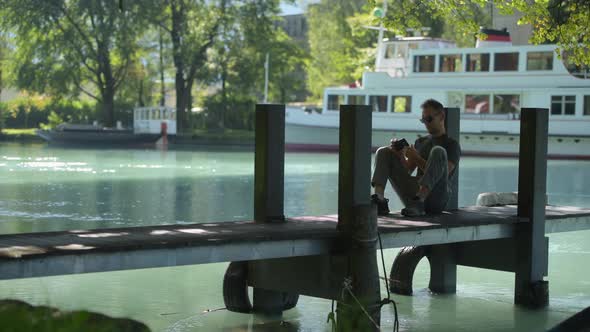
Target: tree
x=564 y=22
x=334 y=52
x=69 y=46
x=4 y=53
x=193 y=26
x=249 y=32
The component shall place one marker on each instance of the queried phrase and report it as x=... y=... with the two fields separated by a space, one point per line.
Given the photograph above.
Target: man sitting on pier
x=435 y=156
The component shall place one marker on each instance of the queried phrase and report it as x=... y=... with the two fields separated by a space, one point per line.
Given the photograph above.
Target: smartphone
x=400 y=144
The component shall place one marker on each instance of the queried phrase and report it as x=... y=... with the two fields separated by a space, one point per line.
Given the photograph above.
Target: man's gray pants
x=435 y=178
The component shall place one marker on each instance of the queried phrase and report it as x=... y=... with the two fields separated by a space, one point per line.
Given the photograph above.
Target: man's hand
x=412 y=154
x=399 y=153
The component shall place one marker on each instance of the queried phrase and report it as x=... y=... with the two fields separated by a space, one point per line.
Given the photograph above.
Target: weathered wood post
x=269 y=177
x=453 y=127
x=357 y=222
x=531 y=249
x=443 y=268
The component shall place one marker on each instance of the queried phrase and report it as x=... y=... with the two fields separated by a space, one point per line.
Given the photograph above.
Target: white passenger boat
x=489 y=84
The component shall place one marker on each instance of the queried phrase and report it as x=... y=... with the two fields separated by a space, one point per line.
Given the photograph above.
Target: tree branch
x=79 y=86
x=78 y=29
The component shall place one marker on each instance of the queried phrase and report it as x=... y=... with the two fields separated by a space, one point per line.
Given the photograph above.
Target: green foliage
x=335 y=55
x=3 y=113
x=67 y=47
x=236 y=65
x=35 y=111
x=19 y=316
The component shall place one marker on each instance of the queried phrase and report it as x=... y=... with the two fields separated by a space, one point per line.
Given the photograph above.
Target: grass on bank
x=19 y=132
x=19 y=135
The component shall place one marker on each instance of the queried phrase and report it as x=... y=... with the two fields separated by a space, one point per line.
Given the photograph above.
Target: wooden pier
x=313 y=255
x=70 y=252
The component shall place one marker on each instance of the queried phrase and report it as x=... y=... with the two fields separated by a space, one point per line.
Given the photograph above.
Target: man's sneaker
x=382 y=207
x=414 y=209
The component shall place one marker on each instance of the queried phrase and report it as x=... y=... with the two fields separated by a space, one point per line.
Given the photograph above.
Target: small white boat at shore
x=149 y=125
x=489 y=84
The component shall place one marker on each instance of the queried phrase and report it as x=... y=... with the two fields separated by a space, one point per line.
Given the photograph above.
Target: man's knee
x=438 y=152
x=383 y=153
x=384 y=150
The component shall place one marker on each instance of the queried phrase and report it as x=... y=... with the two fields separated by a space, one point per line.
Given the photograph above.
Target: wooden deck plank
x=51 y=253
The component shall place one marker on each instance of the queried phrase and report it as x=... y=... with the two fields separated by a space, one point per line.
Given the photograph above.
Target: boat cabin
x=494 y=79
x=151 y=120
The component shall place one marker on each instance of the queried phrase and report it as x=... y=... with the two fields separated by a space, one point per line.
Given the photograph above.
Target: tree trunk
x=223 y=97
x=140 y=94
x=162 y=85
x=175 y=33
x=108 y=106
x=181 y=101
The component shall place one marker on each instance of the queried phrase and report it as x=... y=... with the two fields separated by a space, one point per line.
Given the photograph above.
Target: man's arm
x=415 y=160
x=451 y=166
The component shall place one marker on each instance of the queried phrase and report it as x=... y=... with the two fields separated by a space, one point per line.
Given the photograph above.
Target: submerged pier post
x=269 y=178
x=531 y=249
x=357 y=222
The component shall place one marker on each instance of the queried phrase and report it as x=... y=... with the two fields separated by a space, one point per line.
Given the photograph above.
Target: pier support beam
x=269 y=178
x=531 y=251
x=443 y=268
x=359 y=309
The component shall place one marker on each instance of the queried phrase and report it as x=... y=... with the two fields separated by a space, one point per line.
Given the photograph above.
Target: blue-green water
x=45 y=188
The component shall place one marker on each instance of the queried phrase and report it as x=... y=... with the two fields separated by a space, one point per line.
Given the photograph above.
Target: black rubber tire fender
x=235 y=290
x=402 y=270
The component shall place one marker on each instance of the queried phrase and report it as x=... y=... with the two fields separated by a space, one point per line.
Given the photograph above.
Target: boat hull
x=305 y=138
x=96 y=137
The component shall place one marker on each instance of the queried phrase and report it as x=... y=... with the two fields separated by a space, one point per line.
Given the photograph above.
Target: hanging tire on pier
x=235 y=290
x=402 y=270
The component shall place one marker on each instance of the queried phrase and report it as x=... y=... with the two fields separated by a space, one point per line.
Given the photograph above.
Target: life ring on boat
x=235 y=290
x=402 y=270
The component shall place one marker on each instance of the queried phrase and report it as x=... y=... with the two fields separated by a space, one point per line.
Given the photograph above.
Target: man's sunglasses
x=427 y=119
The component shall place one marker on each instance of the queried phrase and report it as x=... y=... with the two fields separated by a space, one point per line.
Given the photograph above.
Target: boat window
x=390 y=51
x=424 y=64
x=479 y=104
x=172 y=115
x=334 y=102
x=378 y=103
x=450 y=63
x=506 y=61
x=539 y=61
x=586 y=105
x=504 y=104
x=478 y=62
x=563 y=105
x=165 y=114
x=401 y=51
x=401 y=104
x=356 y=100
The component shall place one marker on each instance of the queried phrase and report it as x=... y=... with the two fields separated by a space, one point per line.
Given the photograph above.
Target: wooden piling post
x=530 y=288
x=357 y=222
x=269 y=178
x=453 y=127
x=443 y=268
x=269 y=163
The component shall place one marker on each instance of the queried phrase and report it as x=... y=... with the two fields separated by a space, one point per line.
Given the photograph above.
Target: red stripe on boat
x=498 y=38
